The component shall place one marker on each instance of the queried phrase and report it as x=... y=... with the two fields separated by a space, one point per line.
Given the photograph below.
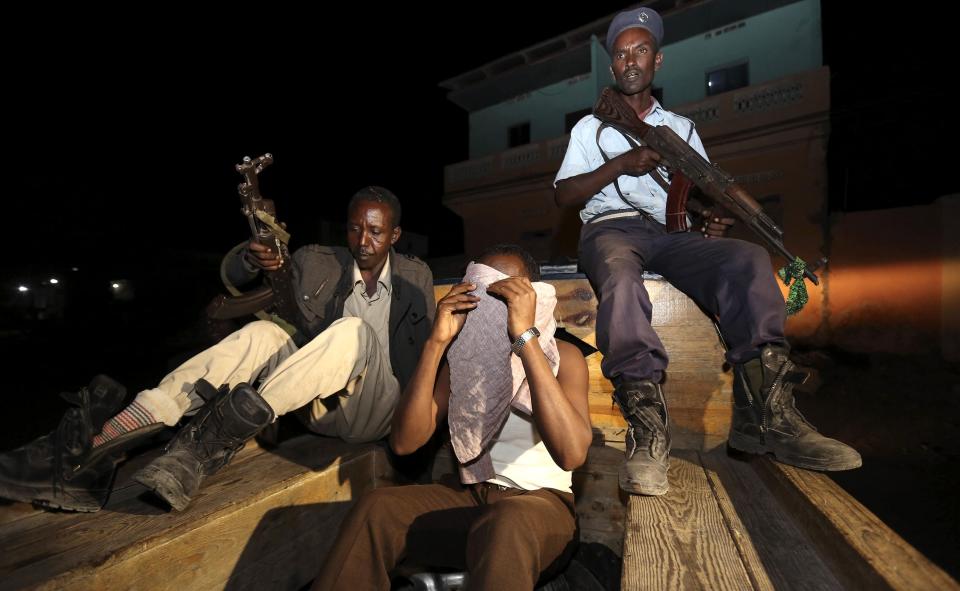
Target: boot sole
x=750 y=446
x=26 y=494
x=643 y=489
x=164 y=485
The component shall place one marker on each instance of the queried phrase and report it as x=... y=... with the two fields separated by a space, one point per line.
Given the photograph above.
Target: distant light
x=23 y=288
x=54 y=280
x=710 y=83
x=74 y=268
x=123 y=290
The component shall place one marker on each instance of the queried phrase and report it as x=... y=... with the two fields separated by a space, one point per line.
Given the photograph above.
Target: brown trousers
x=504 y=539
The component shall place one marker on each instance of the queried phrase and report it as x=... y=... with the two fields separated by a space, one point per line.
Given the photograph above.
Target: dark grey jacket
x=322 y=277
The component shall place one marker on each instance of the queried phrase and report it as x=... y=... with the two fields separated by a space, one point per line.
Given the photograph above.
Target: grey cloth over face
x=486 y=379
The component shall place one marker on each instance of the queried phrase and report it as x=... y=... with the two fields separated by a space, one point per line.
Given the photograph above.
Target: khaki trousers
x=341 y=379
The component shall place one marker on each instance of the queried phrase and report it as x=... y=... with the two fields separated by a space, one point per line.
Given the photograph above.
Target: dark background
x=120 y=141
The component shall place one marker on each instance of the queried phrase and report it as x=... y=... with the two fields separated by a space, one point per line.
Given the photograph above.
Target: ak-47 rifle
x=277 y=295
x=690 y=167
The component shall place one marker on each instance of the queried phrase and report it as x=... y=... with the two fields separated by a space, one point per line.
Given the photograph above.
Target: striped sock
x=130 y=419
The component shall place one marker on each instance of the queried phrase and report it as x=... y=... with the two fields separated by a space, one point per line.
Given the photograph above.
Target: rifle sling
x=271 y=222
x=677 y=191
x=261 y=295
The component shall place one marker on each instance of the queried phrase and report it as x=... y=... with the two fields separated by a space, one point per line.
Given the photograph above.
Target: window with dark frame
x=518 y=135
x=728 y=78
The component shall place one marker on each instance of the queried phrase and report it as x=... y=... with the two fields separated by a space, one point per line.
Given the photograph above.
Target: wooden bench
x=755 y=524
x=266 y=521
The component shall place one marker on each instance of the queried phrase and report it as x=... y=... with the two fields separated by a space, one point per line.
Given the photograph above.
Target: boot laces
x=782 y=401
x=645 y=420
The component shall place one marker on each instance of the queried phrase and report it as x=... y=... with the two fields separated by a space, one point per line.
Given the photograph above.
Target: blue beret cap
x=644 y=18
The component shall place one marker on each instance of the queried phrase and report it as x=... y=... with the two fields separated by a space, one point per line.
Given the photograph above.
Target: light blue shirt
x=643 y=192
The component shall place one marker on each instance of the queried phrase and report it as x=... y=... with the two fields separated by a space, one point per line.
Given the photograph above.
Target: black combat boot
x=647 y=440
x=766 y=420
x=62 y=470
x=206 y=444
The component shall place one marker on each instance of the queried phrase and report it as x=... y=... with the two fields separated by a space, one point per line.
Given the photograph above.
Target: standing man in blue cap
x=624 y=235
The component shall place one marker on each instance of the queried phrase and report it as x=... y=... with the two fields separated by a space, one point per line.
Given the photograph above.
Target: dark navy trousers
x=730 y=279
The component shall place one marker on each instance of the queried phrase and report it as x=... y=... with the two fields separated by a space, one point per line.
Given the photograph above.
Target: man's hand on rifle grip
x=713 y=226
x=262 y=256
x=638 y=161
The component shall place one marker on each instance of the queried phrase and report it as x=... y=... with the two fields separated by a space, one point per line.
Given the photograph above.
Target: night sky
x=124 y=140
x=121 y=140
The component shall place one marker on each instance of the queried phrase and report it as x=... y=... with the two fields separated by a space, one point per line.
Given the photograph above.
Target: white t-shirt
x=521 y=459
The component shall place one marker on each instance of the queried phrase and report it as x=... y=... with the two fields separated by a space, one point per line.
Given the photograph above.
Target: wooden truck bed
x=266 y=521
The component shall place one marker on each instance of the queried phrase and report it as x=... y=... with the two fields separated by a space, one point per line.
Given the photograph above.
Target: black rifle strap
x=616 y=184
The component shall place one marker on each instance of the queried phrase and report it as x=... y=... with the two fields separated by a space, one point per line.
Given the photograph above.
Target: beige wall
x=950 y=299
x=893 y=282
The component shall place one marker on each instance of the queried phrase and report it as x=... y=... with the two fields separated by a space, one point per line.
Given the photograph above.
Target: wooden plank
x=681 y=540
x=285 y=551
x=776 y=554
x=18 y=518
x=576 y=307
x=11 y=511
x=135 y=544
x=698 y=389
x=862 y=551
x=601 y=505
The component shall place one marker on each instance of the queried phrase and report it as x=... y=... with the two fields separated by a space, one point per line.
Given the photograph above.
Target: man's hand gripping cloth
x=486 y=379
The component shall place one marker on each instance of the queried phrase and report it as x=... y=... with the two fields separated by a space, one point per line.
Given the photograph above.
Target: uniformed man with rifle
x=631 y=165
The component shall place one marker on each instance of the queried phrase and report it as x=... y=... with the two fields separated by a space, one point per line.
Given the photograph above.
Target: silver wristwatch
x=523 y=338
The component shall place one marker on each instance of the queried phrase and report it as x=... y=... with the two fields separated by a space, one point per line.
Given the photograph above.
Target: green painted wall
x=778 y=43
